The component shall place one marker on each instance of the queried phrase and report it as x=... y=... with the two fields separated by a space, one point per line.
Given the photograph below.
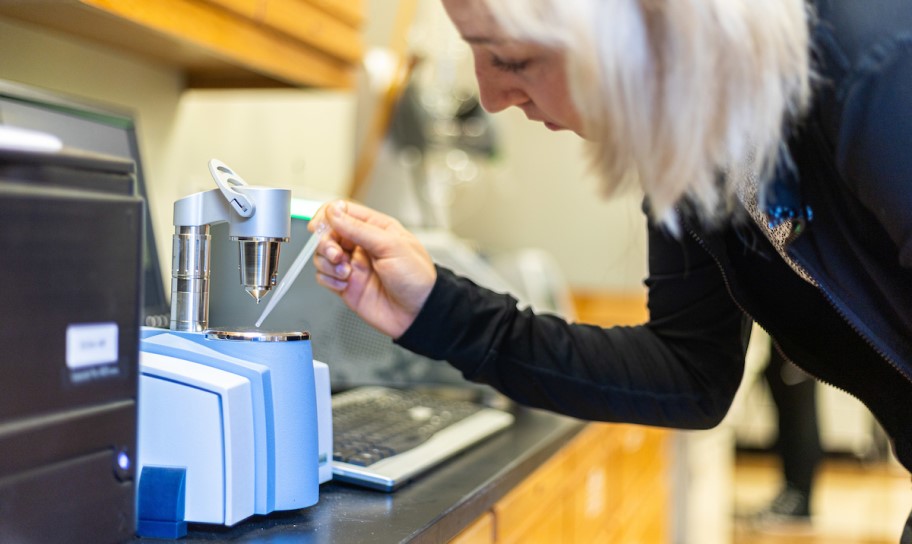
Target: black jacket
x=853 y=329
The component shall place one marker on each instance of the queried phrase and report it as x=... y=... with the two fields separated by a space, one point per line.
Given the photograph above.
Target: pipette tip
x=299 y=263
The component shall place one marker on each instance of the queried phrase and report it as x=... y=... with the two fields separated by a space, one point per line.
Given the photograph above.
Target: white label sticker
x=91 y=344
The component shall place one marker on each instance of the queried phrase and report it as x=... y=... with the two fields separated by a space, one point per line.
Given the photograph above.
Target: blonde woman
x=770 y=140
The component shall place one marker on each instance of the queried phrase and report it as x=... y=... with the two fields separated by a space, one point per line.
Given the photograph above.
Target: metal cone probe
x=259 y=264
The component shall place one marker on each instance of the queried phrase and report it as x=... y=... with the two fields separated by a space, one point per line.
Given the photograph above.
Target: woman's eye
x=509 y=66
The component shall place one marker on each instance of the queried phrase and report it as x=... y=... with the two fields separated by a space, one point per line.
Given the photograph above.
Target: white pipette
x=299 y=263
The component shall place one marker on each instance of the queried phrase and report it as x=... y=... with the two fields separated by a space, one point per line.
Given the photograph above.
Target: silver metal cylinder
x=258 y=260
x=190 y=278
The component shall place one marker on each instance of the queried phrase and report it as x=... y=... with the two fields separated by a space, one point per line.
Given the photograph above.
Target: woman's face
x=514 y=73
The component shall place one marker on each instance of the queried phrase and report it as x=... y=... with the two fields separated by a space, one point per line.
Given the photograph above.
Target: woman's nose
x=498 y=92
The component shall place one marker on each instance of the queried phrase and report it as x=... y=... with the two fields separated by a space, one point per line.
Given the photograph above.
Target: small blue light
x=123 y=460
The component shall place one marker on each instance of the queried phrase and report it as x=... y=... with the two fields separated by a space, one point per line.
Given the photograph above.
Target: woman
x=767 y=138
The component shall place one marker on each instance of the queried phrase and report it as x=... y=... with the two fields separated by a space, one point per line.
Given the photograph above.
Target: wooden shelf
x=218 y=43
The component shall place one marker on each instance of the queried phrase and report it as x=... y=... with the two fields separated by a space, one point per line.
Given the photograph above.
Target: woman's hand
x=379 y=269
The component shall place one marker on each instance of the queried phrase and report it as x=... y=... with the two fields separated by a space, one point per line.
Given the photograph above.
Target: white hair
x=680 y=94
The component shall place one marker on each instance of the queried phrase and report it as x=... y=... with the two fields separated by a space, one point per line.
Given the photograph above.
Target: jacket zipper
x=721 y=271
x=830 y=300
x=835 y=305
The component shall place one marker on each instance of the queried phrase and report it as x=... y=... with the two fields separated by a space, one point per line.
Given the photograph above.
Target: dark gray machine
x=71 y=229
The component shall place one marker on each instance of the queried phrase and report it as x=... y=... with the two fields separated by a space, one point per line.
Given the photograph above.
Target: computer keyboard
x=383 y=437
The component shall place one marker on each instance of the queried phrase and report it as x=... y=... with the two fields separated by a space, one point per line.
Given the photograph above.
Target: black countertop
x=433 y=508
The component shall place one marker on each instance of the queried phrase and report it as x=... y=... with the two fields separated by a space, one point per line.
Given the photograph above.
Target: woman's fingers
x=361 y=227
x=331 y=282
x=363 y=213
x=340 y=270
x=350 y=225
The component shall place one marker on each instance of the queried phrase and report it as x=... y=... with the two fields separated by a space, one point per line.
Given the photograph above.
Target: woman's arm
x=679 y=370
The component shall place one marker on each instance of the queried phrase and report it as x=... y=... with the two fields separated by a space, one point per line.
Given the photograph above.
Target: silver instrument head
x=258 y=263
